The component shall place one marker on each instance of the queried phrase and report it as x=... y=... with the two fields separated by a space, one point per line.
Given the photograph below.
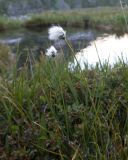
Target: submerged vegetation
x=106 y=18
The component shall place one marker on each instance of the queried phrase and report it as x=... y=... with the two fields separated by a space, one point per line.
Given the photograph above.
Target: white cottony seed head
x=56 y=33
x=51 y=52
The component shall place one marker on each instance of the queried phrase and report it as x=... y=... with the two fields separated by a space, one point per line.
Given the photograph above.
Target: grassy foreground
x=105 y=18
x=48 y=112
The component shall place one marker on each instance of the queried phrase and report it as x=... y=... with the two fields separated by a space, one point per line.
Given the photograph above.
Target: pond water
x=105 y=49
x=39 y=38
x=90 y=45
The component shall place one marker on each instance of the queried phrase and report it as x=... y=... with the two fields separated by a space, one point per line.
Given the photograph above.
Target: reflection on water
x=104 y=49
x=79 y=38
x=97 y=45
x=11 y=41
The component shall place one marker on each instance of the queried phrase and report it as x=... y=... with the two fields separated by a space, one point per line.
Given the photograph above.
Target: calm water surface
x=107 y=48
x=90 y=45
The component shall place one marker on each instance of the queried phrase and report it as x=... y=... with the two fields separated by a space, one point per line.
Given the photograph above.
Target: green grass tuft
x=50 y=112
x=54 y=113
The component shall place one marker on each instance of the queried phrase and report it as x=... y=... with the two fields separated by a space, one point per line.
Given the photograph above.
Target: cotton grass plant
x=57 y=114
x=57 y=33
x=51 y=52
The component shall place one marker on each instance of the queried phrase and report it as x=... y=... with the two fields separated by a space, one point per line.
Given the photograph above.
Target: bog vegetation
x=49 y=112
x=106 y=18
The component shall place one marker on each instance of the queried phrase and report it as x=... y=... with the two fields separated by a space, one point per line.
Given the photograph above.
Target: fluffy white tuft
x=56 y=33
x=51 y=52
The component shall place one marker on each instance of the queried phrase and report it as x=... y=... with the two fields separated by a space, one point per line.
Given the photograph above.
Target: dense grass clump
x=6 y=58
x=49 y=112
x=6 y=23
x=105 y=18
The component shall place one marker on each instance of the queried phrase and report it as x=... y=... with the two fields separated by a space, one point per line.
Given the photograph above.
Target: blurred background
x=16 y=7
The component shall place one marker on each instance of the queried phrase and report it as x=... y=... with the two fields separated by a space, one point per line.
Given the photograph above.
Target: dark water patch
x=24 y=41
x=39 y=38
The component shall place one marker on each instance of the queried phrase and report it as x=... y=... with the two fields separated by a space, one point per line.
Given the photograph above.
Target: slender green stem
x=124 y=15
x=73 y=52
